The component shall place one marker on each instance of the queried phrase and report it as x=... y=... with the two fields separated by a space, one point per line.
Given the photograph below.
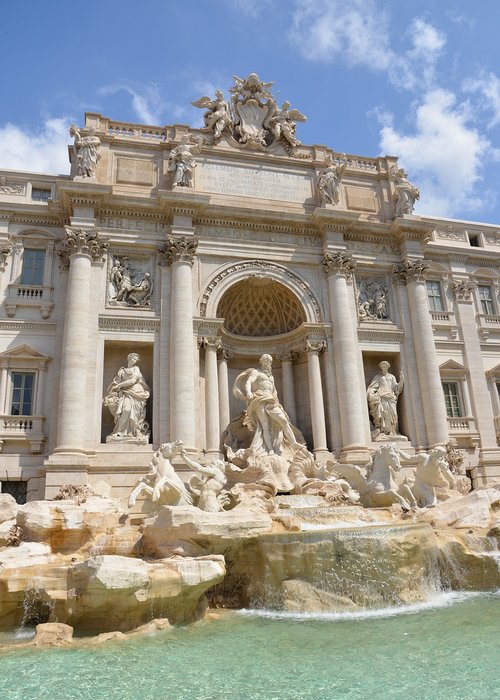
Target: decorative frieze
x=128 y=324
x=179 y=250
x=411 y=271
x=339 y=264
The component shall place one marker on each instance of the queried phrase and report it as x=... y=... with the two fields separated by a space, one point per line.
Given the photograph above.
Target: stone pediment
x=24 y=353
x=453 y=369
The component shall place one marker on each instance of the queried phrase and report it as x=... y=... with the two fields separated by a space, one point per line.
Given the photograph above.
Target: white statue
x=406 y=193
x=123 y=280
x=382 y=486
x=86 y=151
x=218 y=117
x=264 y=413
x=126 y=399
x=161 y=484
x=329 y=181
x=432 y=470
x=209 y=488
x=182 y=162
x=282 y=123
x=382 y=394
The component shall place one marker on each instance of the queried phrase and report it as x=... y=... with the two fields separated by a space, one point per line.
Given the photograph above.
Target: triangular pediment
x=494 y=372
x=452 y=368
x=23 y=352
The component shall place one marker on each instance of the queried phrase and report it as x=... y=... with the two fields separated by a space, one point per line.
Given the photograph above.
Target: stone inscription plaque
x=361 y=198
x=259 y=182
x=135 y=171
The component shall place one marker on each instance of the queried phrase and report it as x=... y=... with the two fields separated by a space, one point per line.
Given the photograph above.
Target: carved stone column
x=212 y=424
x=288 y=386
x=411 y=273
x=81 y=248
x=339 y=268
x=313 y=350
x=180 y=253
x=224 y=410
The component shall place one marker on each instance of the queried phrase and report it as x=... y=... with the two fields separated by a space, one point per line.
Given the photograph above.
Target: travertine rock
x=67 y=526
x=468 y=561
x=301 y=596
x=185 y=524
x=53 y=634
x=8 y=507
x=120 y=593
x=473 y=510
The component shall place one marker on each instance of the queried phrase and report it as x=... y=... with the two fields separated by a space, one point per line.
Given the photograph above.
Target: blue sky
x=418 y=80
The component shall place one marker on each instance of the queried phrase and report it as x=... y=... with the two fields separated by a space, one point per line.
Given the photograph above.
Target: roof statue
x=253 y=118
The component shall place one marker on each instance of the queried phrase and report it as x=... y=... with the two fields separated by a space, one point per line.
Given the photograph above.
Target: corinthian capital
x=81 y=241
x=179 y=249
x=463 y=289
x=339 y=263
x=410 y=271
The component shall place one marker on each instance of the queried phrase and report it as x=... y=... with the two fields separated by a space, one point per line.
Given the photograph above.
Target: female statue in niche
x=382 y=394
x=126 y=399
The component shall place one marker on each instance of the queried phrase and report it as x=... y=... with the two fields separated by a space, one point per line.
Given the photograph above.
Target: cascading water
x=37 y=605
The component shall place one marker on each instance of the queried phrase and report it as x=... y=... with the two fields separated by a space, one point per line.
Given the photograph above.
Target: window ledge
x=27 y=429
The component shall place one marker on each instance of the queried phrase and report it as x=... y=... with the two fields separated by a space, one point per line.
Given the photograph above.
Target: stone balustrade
x=27 y=429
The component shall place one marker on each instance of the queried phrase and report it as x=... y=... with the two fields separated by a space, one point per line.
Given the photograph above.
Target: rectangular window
x=40 y=195
x=452 y=400
x=486 y=298
x=17 y=489
x=23 y=384
x=33 y=265
x=434 y=295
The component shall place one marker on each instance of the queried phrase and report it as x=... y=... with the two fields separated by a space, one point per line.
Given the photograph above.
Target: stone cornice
x=183 y=201
x=329 y=219
x=128 y=324
x=412 y=228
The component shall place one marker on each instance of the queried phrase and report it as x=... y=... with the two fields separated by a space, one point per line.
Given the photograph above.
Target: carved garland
x=262 y=265
x=463 y=289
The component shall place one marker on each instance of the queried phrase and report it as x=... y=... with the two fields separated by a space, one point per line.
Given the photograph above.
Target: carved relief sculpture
x=86 y=151
x=406 y=193
x=329 y=181
x=382 y=394
x=126 y=399
x=11 y=187
x=128 y=285
x=182 y=162
x=372 y=300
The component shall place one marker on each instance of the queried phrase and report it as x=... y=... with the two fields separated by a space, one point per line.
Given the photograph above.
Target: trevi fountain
x=301 y=518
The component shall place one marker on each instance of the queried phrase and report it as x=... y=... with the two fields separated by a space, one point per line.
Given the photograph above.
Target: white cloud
x=43 y=151
x=358 y=32
x=327 y=30
x=147 y=106
x=444 y=156
x=488 y=87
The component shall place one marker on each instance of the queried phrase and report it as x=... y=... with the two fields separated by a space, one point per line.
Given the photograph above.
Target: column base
x=355 y=454
x=213 y=454
x=322 y=453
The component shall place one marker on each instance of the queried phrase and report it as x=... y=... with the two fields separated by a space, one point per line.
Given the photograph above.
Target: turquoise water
x=447 y=649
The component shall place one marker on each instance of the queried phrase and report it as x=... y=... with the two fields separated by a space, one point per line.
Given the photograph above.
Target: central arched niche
x=259 y=306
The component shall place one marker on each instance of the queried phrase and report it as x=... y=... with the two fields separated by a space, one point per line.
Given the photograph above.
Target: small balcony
x=27 y=429
x=29 y=295
x=463 y=429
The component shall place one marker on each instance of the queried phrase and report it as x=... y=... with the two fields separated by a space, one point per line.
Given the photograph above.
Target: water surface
x=446 y=649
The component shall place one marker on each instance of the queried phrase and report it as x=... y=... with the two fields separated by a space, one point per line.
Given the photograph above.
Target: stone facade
x=201 y=265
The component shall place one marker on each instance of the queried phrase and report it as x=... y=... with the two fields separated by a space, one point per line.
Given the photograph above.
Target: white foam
x=437 y=600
